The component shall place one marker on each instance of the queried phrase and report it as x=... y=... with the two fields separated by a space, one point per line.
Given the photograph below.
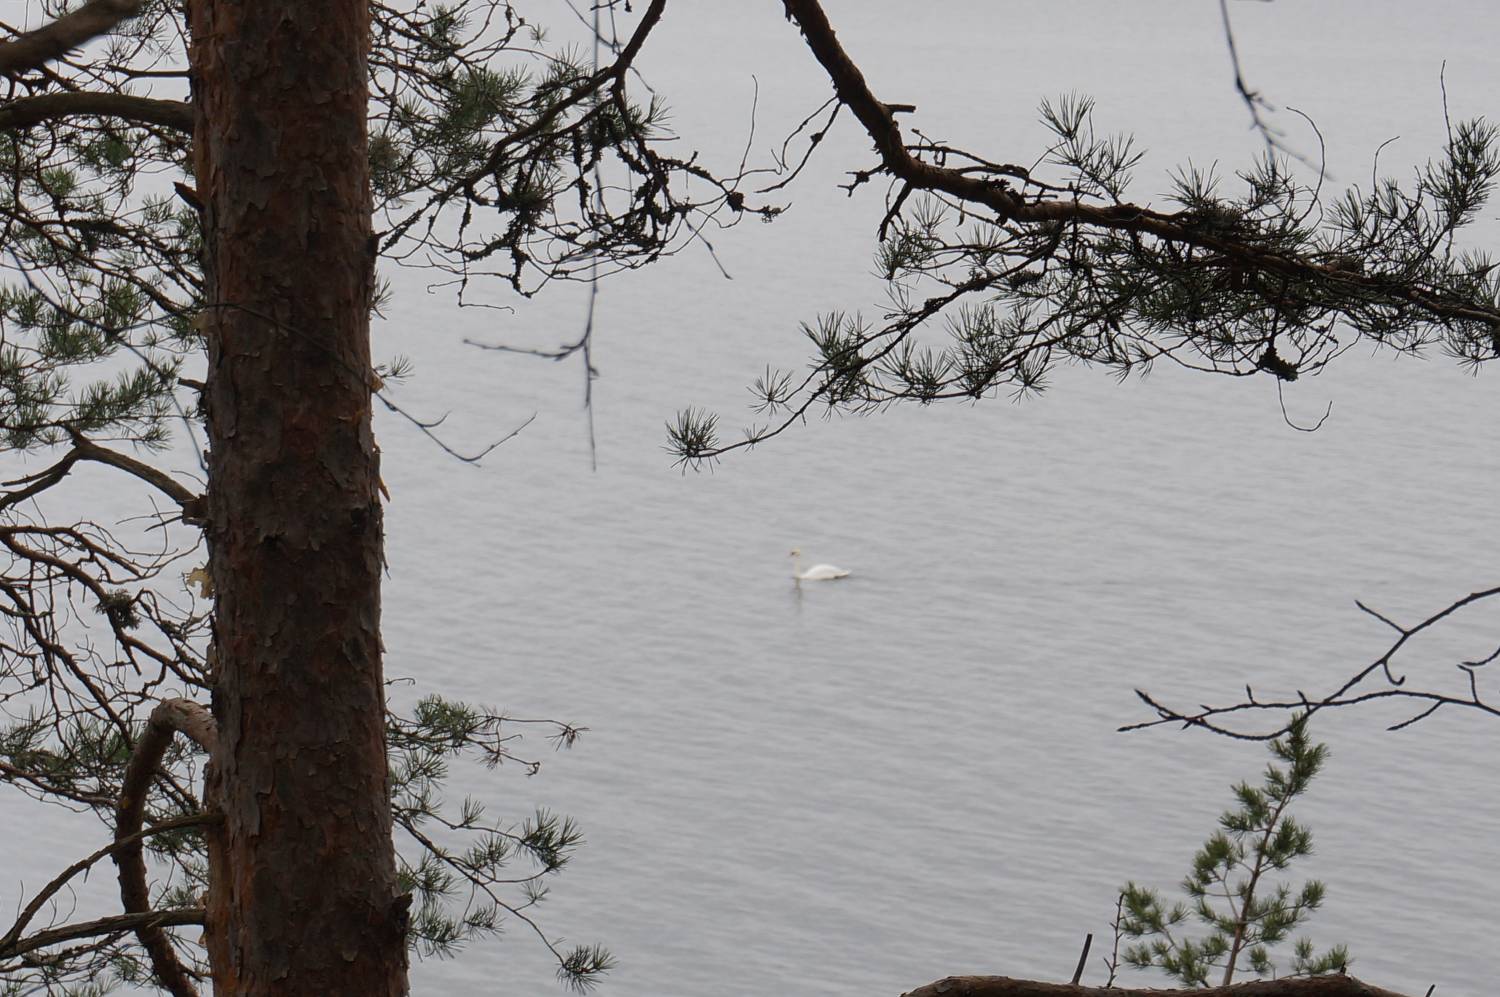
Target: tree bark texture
x=302 y=868
x=1004 y=986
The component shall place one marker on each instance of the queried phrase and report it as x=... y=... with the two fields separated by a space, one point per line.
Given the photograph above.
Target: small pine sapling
x=1228 y=887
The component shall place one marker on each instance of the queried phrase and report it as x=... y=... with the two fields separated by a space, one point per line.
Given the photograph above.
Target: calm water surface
x=857 y=788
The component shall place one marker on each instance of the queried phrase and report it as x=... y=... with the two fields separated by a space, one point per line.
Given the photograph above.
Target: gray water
x=858 y=788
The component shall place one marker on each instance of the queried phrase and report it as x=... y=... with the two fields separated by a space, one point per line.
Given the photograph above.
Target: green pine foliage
x=1259 y=273
x=1229 y=890
x=462 y=870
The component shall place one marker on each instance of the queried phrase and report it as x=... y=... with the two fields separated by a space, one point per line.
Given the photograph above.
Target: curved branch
x=1348 y=692
x=89 y=450
x=612 y=73
x=175 y=114
x=170 y=717
x=36 y=48
x=879 y=122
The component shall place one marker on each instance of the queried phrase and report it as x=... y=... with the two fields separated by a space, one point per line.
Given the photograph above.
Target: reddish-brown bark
x=302 y=867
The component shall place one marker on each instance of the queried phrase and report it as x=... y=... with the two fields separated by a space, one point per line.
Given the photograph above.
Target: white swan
x=817 y=573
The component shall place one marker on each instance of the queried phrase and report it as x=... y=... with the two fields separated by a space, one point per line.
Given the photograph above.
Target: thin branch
x=113 y=925
x=1348 y=693
x=50 y=890
x=426 y=427
x=1254 y=102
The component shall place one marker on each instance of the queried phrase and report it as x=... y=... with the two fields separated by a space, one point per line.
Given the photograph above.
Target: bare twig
x=175 y=114
x=1351 y=691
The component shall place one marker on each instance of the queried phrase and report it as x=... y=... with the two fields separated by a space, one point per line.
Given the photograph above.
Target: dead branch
x=86 y=449
x=1351 y=691
x=89 y=450
x=1007 y=204
x=8 y=940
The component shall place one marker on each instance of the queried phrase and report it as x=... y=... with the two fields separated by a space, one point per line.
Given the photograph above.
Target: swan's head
x=796 y=552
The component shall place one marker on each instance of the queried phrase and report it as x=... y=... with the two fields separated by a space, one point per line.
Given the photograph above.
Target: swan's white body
x=817 y=573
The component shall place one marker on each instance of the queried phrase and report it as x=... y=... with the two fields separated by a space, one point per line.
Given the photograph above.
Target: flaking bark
x=293 y=521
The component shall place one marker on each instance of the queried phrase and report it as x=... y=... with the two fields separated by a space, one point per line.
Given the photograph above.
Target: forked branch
x=115 y=924
x=1389 y=683
x=86 y=449
x=12 y=944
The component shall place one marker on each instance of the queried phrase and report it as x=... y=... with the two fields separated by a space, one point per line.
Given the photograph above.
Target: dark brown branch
x=112 y=925
x=36 y=48
x=170 y=717
x=175 y=114
x=1348 y=692
x=34 y=484
x=879 y=122
x=86 y=449
x=58 y=882
x=1003 y=986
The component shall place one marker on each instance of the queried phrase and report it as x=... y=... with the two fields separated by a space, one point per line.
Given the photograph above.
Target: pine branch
x=1348 y=692
x=89 y=450
x=86 y=449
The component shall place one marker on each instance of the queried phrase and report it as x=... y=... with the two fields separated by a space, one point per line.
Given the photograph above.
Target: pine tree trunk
x=302 y=888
